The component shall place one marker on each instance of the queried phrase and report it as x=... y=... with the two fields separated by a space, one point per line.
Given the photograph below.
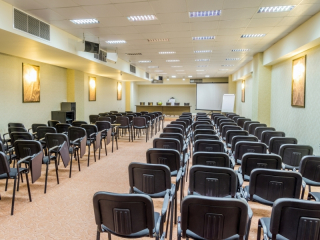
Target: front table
x=167 y=110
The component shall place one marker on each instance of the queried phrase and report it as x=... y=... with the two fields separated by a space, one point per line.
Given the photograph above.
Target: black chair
x=34 y=128
x=226 y=122
x=10 y=130
x=113 y=118
x=232 y=115
x=251 y=161
x=138 y=124
x=236 y=139
x=241 y=121
x=252 y=127
x=106 y=133
x=8 y=152
x=259 y=130
x=267 y=135
x=92 y=134
x=144 y=112
x=124 y=125
x=292 y=154
x=78 y=123
x=76 y=135
x=206 y=136
x=267 y=185
x=13 y=173
x=178 y=136
x=291 y=219
x=214 y=218
x=243 y=147
x=212 y=159
x=127 y=216
x=208 y=146
x=247 y=124
x=104 y=118
x=93 y=118
x=62 y=127
x=21 y=125
x=204 y=131
x=53 y=123
x=212 y=181
x=310 y=170
x=204 y=126
x=154 y=180
x=227 y=128
x=235 y=118
x=276 y=142
x=216 y=118
x=172 y=130
x=152 y=123
x=232 y=133
x=41 y=133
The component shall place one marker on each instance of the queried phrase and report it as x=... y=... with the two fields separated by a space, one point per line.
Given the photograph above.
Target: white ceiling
x=238 y=17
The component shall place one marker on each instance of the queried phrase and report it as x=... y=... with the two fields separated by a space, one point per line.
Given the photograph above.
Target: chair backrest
x=217 y=117
x=231 y=133
x=90 y=129
x=219 y=120
x=168 y=157
x=56 y=139
x=232 y=115
x=225 y=120
x=42 y=131
x=103 y=125
x=237 y=139
x=2 y=147
x=4 y=164
x=267 y=135
x=206 y=136
x=25 y=148
x=270 y=184
x=104 y=118
x=172 y=130
x=93 y=118
x=103 y=114
x=167 y=143
x=224 y=123
x=181 y=123
x=76 y=132
x=149 y=178
x=212 y=181
x=35 y=125
x=185 y=120
x=144 y=112
x=252 y=161
x=213 y=159
x=15 y=125
x=293 y=153
x=177 y=136
x=17 y=129
x=310 y=168
x=136 y=210
x=247 y=124
x=204 y=126
x=124 y=121
x=138 y=114
x=177 y=126
x=205 y=145
x=20 y=136
x=227 y=128
x=139 y=122
x=235 y=118
x=215 y=114
x=241 y=121
x=295 y=219
x=276 y=142
x=117 y=114
x=204 y=131
x=62 y=127
x=78 y=123
x=243 y=147
x=113 y=111
x=53 y=123
x=253 y=126
x=214 y=218
x=259 y=130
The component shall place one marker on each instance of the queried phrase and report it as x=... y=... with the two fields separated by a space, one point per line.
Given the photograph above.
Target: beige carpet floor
x=66 y=211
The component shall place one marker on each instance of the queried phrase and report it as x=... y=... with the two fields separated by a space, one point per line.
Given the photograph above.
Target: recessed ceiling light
x=167 y=52
x=202 y=60
x=167 y=78
x=207 y=75
x=176 y=66
x=203 y=38
x=183 y=79
x=145 y=61
x=205 y=13
x=189 y=76
x=240 y=50
x=227 y=65
x=252 y=35
x=172 y=60
x=85 y=21
x=173 y=76
x=116 y=41
x=180 y=70
x=202 y=66
x=233 y=59
x=158 y=70
x=159 y=40
x=153 y=66
x=133 y=54
x=199 y=70
x=276 y=9
x=203 y=51
x=142 y=18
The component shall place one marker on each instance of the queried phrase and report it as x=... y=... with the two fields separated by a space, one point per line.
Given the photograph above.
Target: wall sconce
x=92 y=89
x=243 y=91
x=119 y=91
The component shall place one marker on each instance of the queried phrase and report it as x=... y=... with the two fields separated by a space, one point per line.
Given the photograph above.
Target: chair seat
x=315 y=195
x=142 y=233
x=310 y=182
x=45 y=159
x=198 y=194
x=257 y=198
x=154 y=195
x=286 y=166
x=192 y=235
x=12 y=173
x=265 y=222
x=13 y=156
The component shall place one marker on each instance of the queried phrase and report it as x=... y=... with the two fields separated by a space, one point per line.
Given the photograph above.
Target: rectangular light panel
x=145 y=61
x=240 y=50
x=253 y=35
x=84 y=21
x=172 y=60
x=204 y=38
x=167 y=52
x=142 y=18
x=202 y=60
x=116 y=41
x=203 y=51
x=276 y=9
x=205 y=13
x=159 y=40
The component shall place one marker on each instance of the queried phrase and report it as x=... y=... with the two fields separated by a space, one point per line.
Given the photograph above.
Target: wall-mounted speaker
x=91 y=47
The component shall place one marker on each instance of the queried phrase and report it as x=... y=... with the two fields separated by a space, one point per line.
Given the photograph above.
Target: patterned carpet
x=66 y=211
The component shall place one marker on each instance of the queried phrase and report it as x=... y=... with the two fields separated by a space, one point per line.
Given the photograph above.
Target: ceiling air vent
x=133 y=54
x=31 y=25
x=156 y=81
x=147 y=75
x=195 y=80
x=132 y=69
x=102 y=56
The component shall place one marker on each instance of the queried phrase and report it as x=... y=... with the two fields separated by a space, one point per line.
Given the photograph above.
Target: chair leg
x=45 y=184
x=88 y=155
x=98 y=235
x=70 y=166
x=117 y=142
x=112 y=143
x=94 y=152
x=302 y=194
x=6 y=185
x=168 y=218
x=171 y=220
x=259 y=230
x=78 y=160
x=13 y=194
x=100 y=148
x=57 y=174
x=109 y=236
x=28 y=185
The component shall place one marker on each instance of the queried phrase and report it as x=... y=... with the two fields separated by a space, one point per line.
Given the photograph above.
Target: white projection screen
x=209 y=96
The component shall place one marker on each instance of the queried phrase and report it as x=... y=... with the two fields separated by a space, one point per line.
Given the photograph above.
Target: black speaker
x=160 y=78
x=91 y=47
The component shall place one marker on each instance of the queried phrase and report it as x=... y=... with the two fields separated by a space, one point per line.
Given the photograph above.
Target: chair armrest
x=172 y=191
x=93 y=135
x=24 y=160
x=232 y=161
x=304 y=184
x=165 y=203
x=42 y=139
x=54 y=148
x=29 y=129
x=4 y=138
x=240 y=179
x=179 y=230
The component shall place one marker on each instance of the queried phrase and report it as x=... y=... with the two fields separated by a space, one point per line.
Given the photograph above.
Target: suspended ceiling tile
x=102 y=10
